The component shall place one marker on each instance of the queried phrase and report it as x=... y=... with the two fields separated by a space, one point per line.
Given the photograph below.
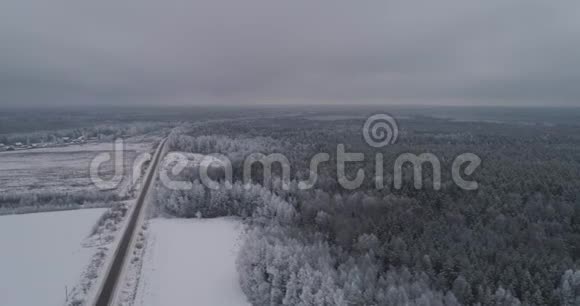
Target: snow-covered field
x=60 y=168
x=41 y=255
x=191 y=262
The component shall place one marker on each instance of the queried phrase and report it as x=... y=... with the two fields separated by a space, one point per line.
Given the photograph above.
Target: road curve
x=107 y=291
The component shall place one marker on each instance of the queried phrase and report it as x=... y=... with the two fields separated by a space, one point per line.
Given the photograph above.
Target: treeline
x=238 y=200
x=234 y=148
x=101 y=132
x=18 y=202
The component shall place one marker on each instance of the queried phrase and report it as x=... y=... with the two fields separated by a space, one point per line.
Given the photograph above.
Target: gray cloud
x=264 y=51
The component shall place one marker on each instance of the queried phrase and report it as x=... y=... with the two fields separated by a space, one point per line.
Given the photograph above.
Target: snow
x=59 y=169
x=191 y=262
x=192 y=159
x=42 y=255
x=87 y=147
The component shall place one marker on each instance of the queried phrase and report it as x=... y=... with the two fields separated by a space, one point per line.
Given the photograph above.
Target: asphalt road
x=107 y=292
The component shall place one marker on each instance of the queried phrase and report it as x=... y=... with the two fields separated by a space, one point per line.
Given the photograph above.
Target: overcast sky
x=289 y=51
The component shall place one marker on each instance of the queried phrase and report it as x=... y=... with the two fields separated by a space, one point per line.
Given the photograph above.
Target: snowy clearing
x=60 y=168
x=42 y=255
x=191 y=262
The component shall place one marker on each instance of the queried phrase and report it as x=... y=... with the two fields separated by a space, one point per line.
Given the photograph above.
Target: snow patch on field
x=42 y=255
x=104 y=238
x=191 y=262
x=64 y=169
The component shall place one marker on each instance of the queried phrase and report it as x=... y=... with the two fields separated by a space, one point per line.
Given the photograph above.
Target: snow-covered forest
x=348 y=153
x=515 y=240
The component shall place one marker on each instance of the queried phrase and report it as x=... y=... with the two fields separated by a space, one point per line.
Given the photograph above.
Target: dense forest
x=515 y=240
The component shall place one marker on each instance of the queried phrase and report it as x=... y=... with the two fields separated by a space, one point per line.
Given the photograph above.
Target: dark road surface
x=107 y=292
